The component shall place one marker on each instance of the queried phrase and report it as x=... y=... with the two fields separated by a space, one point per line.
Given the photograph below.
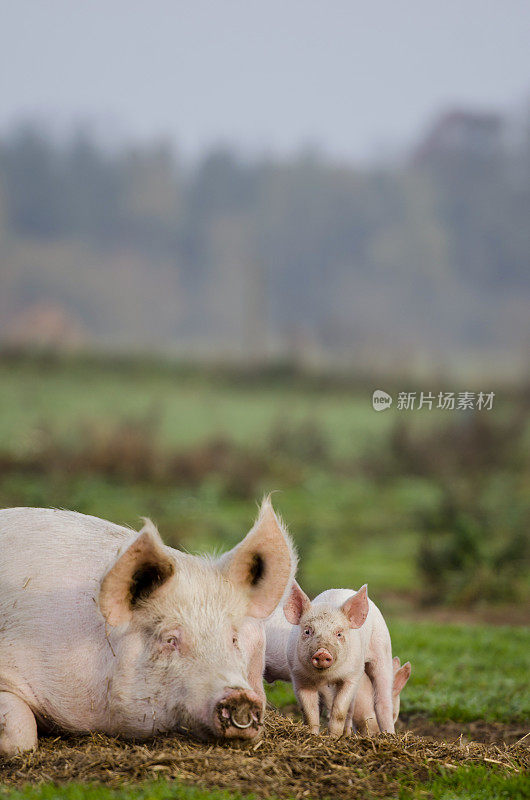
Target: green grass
x=155 y=790
x=348 y=528
x=340 y=526
x=459 y=672
x=370 y=526
x=189 y=408
x=464 y=672
x=472 y=783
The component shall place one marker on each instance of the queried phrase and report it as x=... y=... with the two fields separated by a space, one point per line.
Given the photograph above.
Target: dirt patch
x=406 y=606
x=476 y=731
x=287 y=762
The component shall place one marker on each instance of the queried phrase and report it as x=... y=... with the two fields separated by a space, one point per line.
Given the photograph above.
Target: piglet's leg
x=362 y=709
x=308 y=699
x=343 y=700
x=381 y=675
x=348 y=726
x=18 y=727
x=367 y=726
x=327 y=695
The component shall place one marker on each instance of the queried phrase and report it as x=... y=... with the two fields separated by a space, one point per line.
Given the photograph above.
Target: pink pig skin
x=104 y=629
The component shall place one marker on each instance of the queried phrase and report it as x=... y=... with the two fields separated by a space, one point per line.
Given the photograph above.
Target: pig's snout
x=322 y=659
x=238 y=714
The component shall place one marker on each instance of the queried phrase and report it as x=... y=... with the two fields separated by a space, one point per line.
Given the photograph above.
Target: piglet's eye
x=340 y=634
x=307 y=631
x=173 y=641
x=235 y=641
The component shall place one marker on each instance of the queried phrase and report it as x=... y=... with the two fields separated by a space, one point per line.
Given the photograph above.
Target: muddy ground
x=286 y=762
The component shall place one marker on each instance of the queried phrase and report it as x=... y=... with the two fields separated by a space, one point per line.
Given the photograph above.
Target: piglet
x=362 y=716
x=330 y=643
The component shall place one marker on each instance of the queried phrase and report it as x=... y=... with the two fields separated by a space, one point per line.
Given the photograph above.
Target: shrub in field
x=129 y=451
x=126 y=450
x=239 y=471
x=475 y=541
x=470 y=551
x=474 y=445
x=304 y=441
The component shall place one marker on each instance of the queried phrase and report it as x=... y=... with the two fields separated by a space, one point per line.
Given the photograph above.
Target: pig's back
x=50 y=549
x=277 y=632
x=45 y=528
x=51 y=565
x=52 y=560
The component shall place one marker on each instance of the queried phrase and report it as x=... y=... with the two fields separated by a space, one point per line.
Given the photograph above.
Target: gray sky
x=351 y=78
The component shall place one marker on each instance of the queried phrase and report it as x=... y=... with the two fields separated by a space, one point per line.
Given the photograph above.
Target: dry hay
x=287 y=762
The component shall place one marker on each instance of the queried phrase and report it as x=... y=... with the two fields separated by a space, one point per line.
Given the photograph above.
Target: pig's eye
x=235 y=640
x=340 y=635
x=308 y=631
x=174 y=640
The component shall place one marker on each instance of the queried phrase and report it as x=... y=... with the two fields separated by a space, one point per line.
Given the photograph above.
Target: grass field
x=189 y=407
x=196 y=451
x=309 y=440
x=67 y=404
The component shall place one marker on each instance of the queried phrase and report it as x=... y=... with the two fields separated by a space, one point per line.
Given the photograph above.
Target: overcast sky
x=352 y=78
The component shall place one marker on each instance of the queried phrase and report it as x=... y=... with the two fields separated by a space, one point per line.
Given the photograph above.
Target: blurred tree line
x=298 y=257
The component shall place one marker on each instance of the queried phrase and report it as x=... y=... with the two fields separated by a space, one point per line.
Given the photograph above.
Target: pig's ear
x=400 y=678
x=136 y=574
x=263 y=564
x=296 y=604
x=356 y=607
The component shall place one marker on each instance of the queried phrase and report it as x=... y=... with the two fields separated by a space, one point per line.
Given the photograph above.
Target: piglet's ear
x=356 y=607
x=263 y=564
x=400 y=678
x=135 y=575
x=296 y=604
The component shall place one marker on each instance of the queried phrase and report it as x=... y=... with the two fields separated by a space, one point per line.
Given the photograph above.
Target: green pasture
x=317 y=441
x=348 y=527
x=188 y=407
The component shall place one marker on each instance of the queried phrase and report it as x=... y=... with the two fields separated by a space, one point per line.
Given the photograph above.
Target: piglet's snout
x=238 y=714
x=322 y=659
